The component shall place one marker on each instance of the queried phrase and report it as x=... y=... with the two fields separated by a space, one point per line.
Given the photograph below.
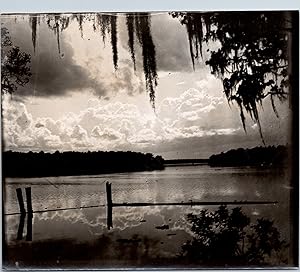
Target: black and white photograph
x=141 y=140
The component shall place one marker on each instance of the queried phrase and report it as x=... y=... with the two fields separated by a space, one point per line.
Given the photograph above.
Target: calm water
x=80 y=237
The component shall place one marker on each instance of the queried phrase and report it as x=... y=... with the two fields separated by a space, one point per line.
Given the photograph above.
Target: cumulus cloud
x=197 y=109
x=193 y=124
x=113 y=126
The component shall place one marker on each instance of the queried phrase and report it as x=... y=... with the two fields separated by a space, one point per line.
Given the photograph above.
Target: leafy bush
x=228 y=238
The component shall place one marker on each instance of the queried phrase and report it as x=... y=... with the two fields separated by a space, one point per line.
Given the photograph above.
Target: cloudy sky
x=77 y=101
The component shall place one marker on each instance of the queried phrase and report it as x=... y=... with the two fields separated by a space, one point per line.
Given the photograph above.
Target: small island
x=42 y=164
x=257 y=156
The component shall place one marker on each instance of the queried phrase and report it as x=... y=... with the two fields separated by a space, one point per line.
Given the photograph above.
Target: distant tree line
x=32 y=164
x=258 y=156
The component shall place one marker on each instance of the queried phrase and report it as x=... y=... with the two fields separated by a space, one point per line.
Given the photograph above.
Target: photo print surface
x=150 y=140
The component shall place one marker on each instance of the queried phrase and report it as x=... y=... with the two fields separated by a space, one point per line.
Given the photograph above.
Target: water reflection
x=29 y=227
x=214 y=237
x=171 y=185
x=141 y=236
x=21 y=226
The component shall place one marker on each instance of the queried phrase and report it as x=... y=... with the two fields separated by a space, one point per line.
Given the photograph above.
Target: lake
x=141 y=236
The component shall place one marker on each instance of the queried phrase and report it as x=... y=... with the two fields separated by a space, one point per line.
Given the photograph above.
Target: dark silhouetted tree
x=252 y=56
x=15 y=65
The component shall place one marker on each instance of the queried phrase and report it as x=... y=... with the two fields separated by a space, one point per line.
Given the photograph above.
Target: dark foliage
x=80 y=19
x=224 y=238
x=258 y=156
x=138 y=24
x=34 y=21
x=102 y=22
x=17 y=164
x=252 y=62
x=113 y=27
x=130 y=29
x=57 y=23
x=143 y=33
x=15 y=69
x=252 y=59
x=5 y=40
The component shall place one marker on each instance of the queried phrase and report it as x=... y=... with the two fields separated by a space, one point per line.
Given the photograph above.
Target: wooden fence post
x=28 y=200
x=108 y=193
x=20 y=200
x=29 y=214
x=109 y=205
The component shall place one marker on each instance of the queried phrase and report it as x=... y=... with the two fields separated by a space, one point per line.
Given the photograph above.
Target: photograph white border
x=57 y=6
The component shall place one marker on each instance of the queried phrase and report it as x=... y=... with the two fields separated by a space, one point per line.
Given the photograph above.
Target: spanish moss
x=195 y=34
x=130 y=29
x=64 y=22
x=143 y=33
x=194 y=28
x=251 y=62
x=79 y=19
x=106 y=23
x=273 y=106
x=33 y=20
x=56 y=32
x=114 y=40
x=247 y=56
x=95 y=23
x=103 y=21
x=58 y=23
x=58 y=38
